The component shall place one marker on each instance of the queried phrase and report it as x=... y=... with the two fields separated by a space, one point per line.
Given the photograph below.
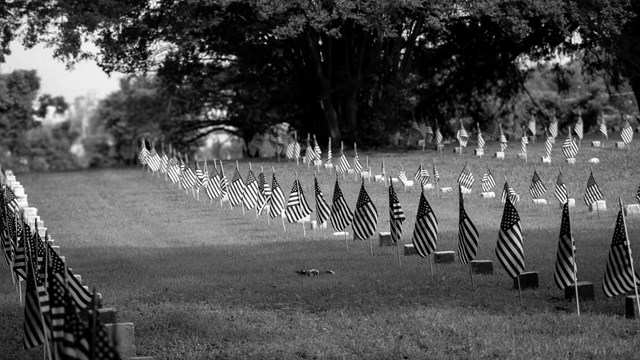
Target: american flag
x=74 y=345
x=201 y=180
x=143 y=153
x=365 y=218
x=34 y=326
x=265 y=193
x=548 y=146
x=304 y=205
x=569 y=148
x=403 y=177
x=356 y=161
x=627 y=133
x=532 y=125
x=164 y=165
x=103 y=348
x=344 y=163
x=462 y=136
x=481 y=141
x=396 y=215
x=224 y=184
x=20 y=256
x=174 y=170
x=438 y=136
x=509 y=193
x=188 y=178
x=341 y=215
x=329 y=153
x=293 y=210
x=153 y=160
x=503 y=141
x=553 y=127
x=565 y=273
x=436 y=175
x=592 y=194
x=603 y=128
x=524 y=141
x=618 y=277
x=323 y=211
x=316 y=147
x=80 y=295
x=509 y=248
x=638 y=194
x=537 y=188
x=425 y=233
x=310 y=154
x=561 y=190
x=290 y=153
x=466 y=178
x=467 y=235
x=213 y=185
x=579 y=127
x=422 y=176
x=296 y=150
x=276 y=200
x=251 y=192
x=58 y=292
x=488 y=182
x=428 y=132
x=236 y=189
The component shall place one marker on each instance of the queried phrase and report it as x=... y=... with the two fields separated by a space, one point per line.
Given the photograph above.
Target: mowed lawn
x=204 y=282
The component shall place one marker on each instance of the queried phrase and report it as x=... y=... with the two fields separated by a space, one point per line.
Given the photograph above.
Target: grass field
x=201 y=282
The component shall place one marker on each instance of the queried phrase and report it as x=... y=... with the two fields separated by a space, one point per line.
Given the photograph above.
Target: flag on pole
x=524 y=141
x=344 y=163
x=427 y=132
x=323 y=211
x=237 y=188
x=425 y=232
x=462 y=135
x=310 y=154
x=402 y=177
x=618 y=277
x=509 y=193
x=503 y=140
x=532 y=125
x=416 y=127
x=548 y=146
x=57 y=288
x=251 y=192
x=143 y=153
x=488 y=182
x=436 y=175
x=509 y=248
x=188 y=178
x=593 y=193
x=564 y=274
x=290 y=153
x=356 y=161
x=153 y=159
x=293 y=210
x=276 y=200
x=481 y=142
x=329 y=153
x=74 y=345
x=173 y=170
x=579 y=127
x=213 y=187
x=569 y=148
x=467 y=235
x=537 y=188
x=627 y=133
x=466 y=178
x=365 y=218
x=305 y=209
x=341 y=215
x=638 y=194
x=553 y=127
x=316 y=148
x=396 y=215
x=438 y=136
x=164 y=163
x=603 y=127
x=265 y=192
x=34 y=327
x=296 y=149
x=561 y=190
x=224 y=184
x=422 y=176
x=200 y=178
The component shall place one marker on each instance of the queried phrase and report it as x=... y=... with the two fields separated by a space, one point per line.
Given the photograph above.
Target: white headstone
x=599 y=205
x=394 y=180
x=446 y=189
x=540 y=201
x=328 y=166
x=479 y=152
x=594 y=161
x=379 y=178
x=341 y=233
x=571 y=161
x=465 y=190
x=500 y=155
x=620 y=145
x=457 y=149
x=596 y=144
x=409 y=183
x=632 y=209
x=428 y=186
x=488 y=195
x=546 y=160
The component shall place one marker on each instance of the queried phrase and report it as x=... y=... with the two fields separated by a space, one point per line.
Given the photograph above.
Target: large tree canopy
x=332 y=67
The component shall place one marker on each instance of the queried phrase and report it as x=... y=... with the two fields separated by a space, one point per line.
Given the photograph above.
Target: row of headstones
x=122 y=334
x=528 y=280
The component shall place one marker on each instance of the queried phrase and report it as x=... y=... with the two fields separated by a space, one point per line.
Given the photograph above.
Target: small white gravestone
x=341 y=233
x=421 y=142
x=428 y=186
x=500 y=155
x=408 y=183
x=479 y=152
x=394 y=180
x=446 y=189
x=378 y=178
x=522 y=156
x=305 y=219
x=42 y=231
x=599 y=205
x=596 y=144
x=440 y=147
x=123 y=335
x=572 y=203
x=540 y=201
x=457 y=149
x=328 y=166
x=350 y=171
x=315 y=226
x=409 y=250
x=594 y=161
x=465 y=190
x=571 y=161
x=488 y=195
x=385 y=239
x=546 y=160
x=317 y=163
x=18 y=191
x=632 y=209
x=365 y=174
x=620 y=145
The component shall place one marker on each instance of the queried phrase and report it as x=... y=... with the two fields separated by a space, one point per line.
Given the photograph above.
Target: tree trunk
x=635 y=86
x=350 y=116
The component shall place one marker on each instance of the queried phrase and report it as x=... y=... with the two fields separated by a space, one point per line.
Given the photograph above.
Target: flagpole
x=519 y=288
x=398 y=252
x=403 y=183
x=346 y=240
x=633 y=272
x=471 y=276
x=355 y=172
x=431 y=266
x=384 y=175
x=575 y=265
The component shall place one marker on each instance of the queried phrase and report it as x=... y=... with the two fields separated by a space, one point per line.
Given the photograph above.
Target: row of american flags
x=59 y=313
x=364 y=219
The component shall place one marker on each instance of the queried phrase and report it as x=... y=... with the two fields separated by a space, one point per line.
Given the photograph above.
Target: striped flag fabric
x=548 y=146
x=143 y=153
x=524 y=141
x=329 y=153
x=153 y=159
x=402 y=177
x=532 y=125
x=344 y=165
x=20 y=256
x=503 y=140
x=425 y=232
x=481 y=142
x=296 y=150
x=201 y=180
x=213 y=188
x=438 y=136
x=174 y=170
x=462 y=136
x=422 y=176
x=467 y=235
x=618 y=277
x=466 y=178
x=365 y=217
x=565 y=274
x=488 y=182
x=237 y=188
x=341 y=215
x=34 y=326
x=627 y=133
x=265 y=193
x=74 y=344
x=164 y=165
x=509 y=194
x=224 y=184
x=396 y=215
x=356 y=161
x=593 y=193
x=103 y=347
x=416 y=127
x=276 y=200
x=638 y=194
x=509 y=247
x=290 y=151
x=80 y=295
x=578 y=128
x=569 y=148
x=187 y=178
x=316 y=148
x=251 y=192
x=57 y=288
x=436 y=175
x=323 y=211
x=310 y=154
x=537 y=188
x=561 y=189
x=603 y=128
x=293 y=211
x=304 y=205
x=553 y=127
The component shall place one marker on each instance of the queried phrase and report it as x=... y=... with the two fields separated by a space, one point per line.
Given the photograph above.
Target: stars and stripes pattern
x=290 y=153
x=213 y=187
x=396 y=215
x=462 y=136
x=509 y=193
x=425 y=232
x=438 y=136
x=293 y=211
x=365 y=217
x=341 y=215
x=173 y=170
x=509 y=248
x=569 y=148
x=224 y=183
x=537 y=188
x=357 y=166
x=201 y=180
x=316 y=148
x=467 y=235
x=153 y=160
x=627 y=133
x=548 y=146
x=143 y=153
x=422 y=176
x=164 y=164
x=402 y=176
x=603 y=128
x=34 y=326
x=565 y=274
x=553 y=127
x=276 y=200
x=488 y=182
x=323 y=211
x=344 y=165
x=251 y=192
x=74 y=344
x=524 y=141
x=532 y=126
x=466 y=178
x=237 y=188
x=481 y=142
x=503 y=141
x=561 y=189
x=638 y=193
x=188 y=179
x=57 y=284
x=578 y=128
x=329 y=153
x=311 y=155
x=618 y=277
x=593 y=193
x=265 y=193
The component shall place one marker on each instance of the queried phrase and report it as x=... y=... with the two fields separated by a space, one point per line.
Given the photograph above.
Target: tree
x=46 y=100
x=18 y=91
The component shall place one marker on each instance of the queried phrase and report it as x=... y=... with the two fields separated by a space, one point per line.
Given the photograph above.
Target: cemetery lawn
x=201 y=282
